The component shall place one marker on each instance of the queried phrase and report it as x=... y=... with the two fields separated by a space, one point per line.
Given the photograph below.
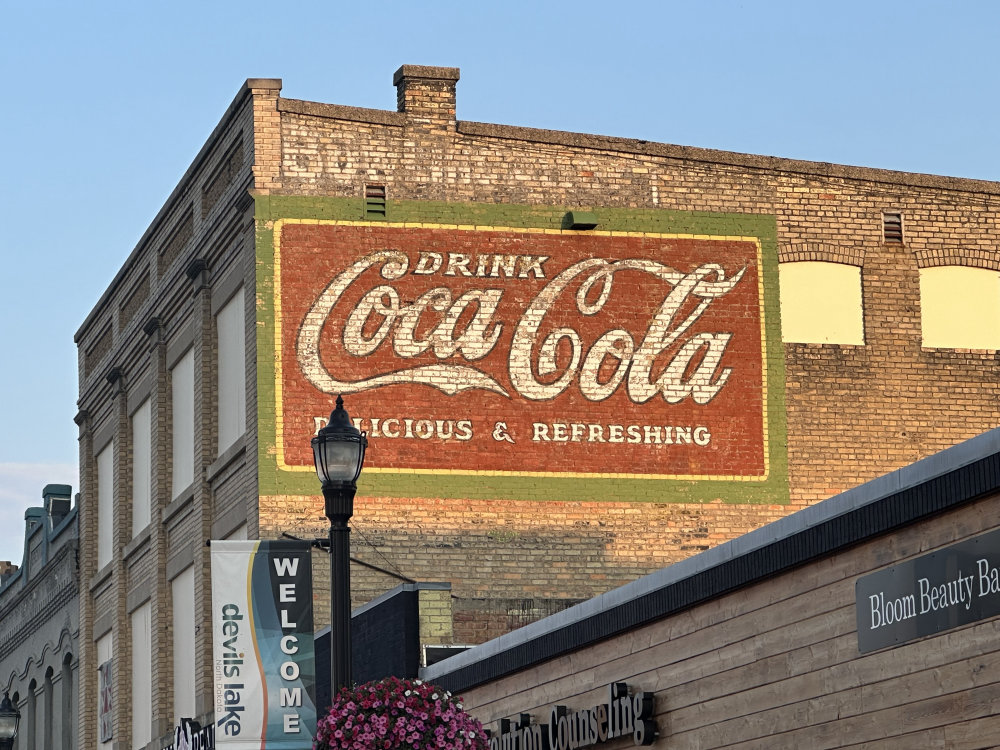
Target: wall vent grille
x=892 y=227
x=375 y=201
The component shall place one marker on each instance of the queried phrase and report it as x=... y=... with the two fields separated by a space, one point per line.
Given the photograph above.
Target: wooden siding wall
x=776 y=665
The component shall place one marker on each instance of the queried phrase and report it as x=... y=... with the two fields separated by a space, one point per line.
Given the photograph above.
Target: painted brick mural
x=530 y=361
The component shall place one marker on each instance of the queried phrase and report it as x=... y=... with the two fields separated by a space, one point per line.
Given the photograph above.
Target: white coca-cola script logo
x=381 y=318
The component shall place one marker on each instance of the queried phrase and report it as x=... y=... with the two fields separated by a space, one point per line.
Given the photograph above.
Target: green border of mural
x=274 y=481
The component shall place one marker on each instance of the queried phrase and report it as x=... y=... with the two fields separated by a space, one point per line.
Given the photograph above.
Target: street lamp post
x=339 y=452
x=9 y=718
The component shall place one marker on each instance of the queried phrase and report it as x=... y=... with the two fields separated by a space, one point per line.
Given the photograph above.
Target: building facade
x=40 y=625
x=867 y=620
x=578 y=359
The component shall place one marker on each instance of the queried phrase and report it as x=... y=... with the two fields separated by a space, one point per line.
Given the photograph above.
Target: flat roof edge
x=342 y=112
x=727 y=158
x=401 y=588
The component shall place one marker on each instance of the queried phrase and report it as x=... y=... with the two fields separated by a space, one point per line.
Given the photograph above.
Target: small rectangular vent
x=892 y=227
x=375 y=201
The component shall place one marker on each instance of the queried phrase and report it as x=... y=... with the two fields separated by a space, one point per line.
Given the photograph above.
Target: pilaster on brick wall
x=426 y=95
x=121 y=533
x=436 y=618
x=266 y=133
x=87 y=673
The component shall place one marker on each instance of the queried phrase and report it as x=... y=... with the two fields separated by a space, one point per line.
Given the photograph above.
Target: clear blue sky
x=105 y=105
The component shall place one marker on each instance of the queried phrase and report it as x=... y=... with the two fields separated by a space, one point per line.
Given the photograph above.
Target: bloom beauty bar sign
x=946 y=589
x=262 y=629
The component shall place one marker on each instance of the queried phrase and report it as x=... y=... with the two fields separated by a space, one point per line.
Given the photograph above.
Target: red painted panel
x=524 y=351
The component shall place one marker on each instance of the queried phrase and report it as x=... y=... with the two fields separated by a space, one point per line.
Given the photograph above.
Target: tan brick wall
x=853 y=412
x=143 y=334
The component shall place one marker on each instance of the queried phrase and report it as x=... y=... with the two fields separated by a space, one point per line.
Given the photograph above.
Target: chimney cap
x=429 y=72
x=61 y=490
x=263 y=83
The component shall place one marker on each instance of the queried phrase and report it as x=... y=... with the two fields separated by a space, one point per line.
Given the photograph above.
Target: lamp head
x=339 y=449
x=9 y=718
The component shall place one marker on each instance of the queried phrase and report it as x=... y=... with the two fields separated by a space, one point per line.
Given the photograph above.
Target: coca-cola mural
x=498 y=352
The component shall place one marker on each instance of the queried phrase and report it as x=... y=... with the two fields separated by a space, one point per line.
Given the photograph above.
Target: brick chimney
x=6 y=570
x=426 y=95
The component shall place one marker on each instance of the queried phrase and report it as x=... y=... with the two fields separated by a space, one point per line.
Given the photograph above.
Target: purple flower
x=394 y=714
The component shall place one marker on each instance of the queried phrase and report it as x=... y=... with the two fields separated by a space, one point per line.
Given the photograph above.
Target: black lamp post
x=339 y=452
x=9 y=718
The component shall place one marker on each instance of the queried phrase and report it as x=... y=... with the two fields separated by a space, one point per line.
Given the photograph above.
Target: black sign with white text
x=191 y=735
x=954 y=586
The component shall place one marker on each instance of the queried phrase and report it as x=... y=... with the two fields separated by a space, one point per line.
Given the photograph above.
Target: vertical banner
x=106 y=703
x=262 y=633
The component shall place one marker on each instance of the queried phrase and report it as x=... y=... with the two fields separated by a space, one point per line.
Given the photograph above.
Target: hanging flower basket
x=395 y=714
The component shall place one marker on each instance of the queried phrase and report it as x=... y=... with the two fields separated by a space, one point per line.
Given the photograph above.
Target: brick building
x=571 y=353
x=40 y=625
